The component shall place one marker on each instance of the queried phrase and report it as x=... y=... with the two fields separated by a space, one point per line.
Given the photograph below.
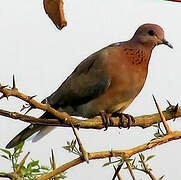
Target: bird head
x=150 y=35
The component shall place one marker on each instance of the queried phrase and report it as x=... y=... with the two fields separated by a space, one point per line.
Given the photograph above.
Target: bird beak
x=164 y=41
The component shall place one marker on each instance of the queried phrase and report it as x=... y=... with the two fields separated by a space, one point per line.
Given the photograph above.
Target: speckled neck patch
x=136 y=56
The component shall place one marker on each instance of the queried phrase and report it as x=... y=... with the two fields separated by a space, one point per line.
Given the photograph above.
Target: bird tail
x=30 y=130
x=24 y=134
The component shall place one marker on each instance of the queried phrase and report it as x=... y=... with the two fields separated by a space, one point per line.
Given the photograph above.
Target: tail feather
x=43 y=132
x=23 y=135
x=30 y=130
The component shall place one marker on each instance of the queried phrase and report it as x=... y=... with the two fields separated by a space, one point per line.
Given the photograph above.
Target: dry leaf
x=54 y=9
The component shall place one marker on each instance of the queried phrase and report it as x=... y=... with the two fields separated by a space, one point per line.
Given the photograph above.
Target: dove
x=105 y=83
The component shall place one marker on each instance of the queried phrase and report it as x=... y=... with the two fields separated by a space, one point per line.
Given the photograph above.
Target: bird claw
x=121 y=116
x=106 y=120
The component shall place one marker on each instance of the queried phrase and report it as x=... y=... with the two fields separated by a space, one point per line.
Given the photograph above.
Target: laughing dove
x=104 y=83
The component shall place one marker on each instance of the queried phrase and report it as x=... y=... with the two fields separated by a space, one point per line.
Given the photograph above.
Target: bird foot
x=106 y=120
x=121 y=117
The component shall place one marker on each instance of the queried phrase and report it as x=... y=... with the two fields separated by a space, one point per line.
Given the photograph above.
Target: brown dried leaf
x=54 y=9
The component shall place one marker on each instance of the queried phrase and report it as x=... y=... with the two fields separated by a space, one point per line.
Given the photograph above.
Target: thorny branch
x=66 y=120
x=147 y=170
x=96 y=123
x=114 y=153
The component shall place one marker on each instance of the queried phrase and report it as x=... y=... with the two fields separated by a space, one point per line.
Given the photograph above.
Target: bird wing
x=88 y=81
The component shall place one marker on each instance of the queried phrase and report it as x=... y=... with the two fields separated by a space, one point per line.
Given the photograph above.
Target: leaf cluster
x=28 y=171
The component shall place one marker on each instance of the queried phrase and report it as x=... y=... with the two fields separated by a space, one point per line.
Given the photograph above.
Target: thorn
x=23 y=108
x=2 y=87
x=29 y=110
x=53 y=160
x=3 y=96
x=14 y=84
x=167 y=128
x=168 y=102
x=84 y=153
x=33 y=96
x=176 y=108
x=161 y=177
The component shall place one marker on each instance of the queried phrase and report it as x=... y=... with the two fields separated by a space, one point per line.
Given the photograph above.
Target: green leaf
x=7 y=152
x=68 y=143
x=121 y=163
x=61 y=175
x=22 y=171
x=2 y=173
x=35 y=170
x=16 y=154
x=73 y=143
x=19 y=147
x=66 y=148
x=142 y=156
x=149 y=157
x=32 y=164
x=157 y=135
x=106 y=164
x=44 y=167
x=133 y=161
x=4 y=156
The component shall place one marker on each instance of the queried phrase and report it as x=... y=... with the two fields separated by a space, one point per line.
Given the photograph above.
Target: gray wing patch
x=88 y=81
x=72 y=98
x=91 y=92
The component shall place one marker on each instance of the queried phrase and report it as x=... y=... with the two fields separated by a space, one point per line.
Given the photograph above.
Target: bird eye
x=151 y=32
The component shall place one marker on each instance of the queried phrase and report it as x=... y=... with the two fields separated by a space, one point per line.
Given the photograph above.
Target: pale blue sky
x=41 y=57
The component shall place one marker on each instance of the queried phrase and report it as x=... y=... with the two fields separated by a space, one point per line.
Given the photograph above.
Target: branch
x=12 y=176
x=115 y=153
x=130 y=170
x=95 y=123
x=147 y=170
x=22 y=163
x=117 y=172
x=66 y=120
x=81 y=147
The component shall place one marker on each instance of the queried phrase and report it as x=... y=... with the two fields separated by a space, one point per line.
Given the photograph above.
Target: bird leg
x=121 y=116
x=106 y=120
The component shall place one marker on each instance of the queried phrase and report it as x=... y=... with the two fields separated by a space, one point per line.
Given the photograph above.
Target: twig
x=114 y=153
x=11 y=176
x=84 y=153
x=15 y=92
x=117 y=172
x=95 y=123
x=147 y=170
x=130 y=169
x=66 y=120
x=53 y=163
x=22 y=162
